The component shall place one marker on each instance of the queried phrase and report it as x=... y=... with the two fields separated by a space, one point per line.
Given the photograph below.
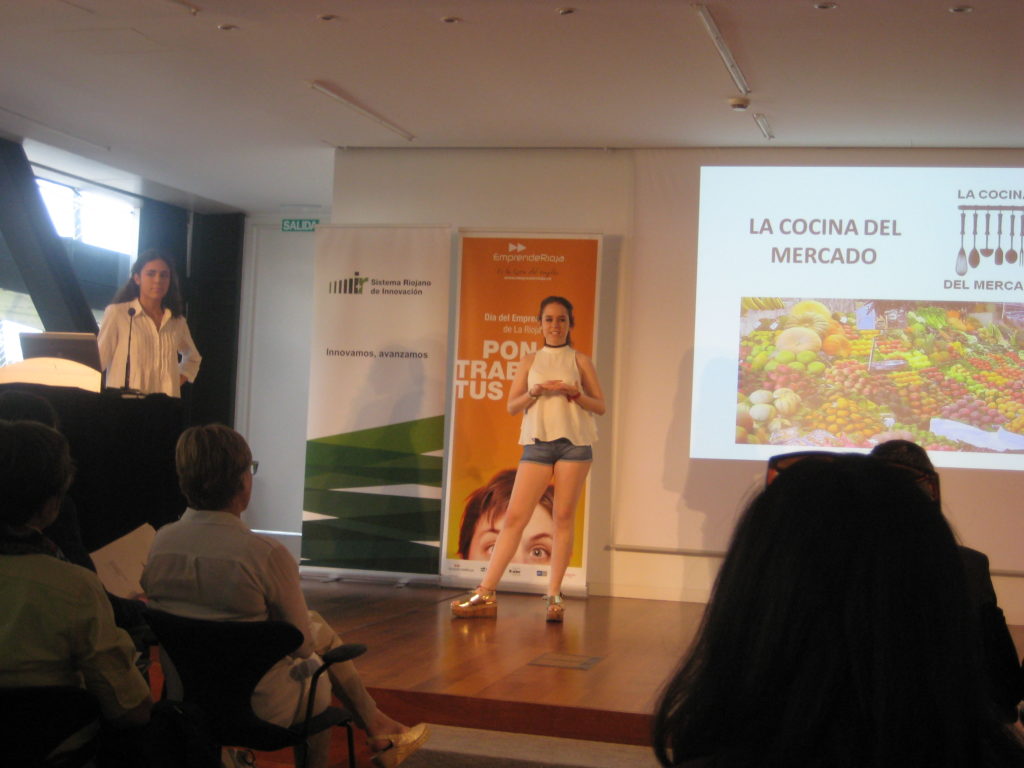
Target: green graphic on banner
x=374 y=498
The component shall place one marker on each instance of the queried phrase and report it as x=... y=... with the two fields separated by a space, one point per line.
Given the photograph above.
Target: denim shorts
x=552 y=451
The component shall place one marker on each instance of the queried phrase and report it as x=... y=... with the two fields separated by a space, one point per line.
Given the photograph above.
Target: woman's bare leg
x=319 y=745
x=570 y=476
x=531 y=481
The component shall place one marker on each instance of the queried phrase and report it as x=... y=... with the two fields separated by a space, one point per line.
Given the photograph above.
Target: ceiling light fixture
x=329 y=90
x=762 y=123
x=567 y=11
x=961 y=9
x=826 y=6
x=451 y=19
x=722 y=48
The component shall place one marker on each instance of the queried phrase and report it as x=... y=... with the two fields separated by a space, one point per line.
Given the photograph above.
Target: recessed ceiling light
x=327 y=17
x=566 y=11
x=227 y=27
x=961 y=9
x=826 y=6
x=451 y=19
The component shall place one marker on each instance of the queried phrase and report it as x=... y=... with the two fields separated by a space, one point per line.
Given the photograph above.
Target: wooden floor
x=499 y=673
x=496 y=674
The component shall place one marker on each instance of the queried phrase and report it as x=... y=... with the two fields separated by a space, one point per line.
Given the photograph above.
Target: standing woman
x=149 y=308
x=557 y=391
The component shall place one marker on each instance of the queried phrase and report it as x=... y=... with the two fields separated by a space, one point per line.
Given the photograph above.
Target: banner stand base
x=510 y=585
x=397 y=579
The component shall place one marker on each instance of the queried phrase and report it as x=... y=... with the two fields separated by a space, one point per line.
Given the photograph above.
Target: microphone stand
x=127 y=391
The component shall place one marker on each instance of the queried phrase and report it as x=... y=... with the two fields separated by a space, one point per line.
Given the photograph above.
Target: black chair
x=220 y=663
x=37 y=720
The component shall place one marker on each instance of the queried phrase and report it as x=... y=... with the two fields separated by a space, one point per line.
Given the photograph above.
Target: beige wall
x=642 y=470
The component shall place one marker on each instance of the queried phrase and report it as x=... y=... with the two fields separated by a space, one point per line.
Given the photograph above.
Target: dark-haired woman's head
x=556 y=320
x=840 y=607
x=17 y=405
x=35 y=472
x=153 y=276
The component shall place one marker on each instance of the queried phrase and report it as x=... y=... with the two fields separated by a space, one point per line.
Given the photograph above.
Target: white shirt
x=154 y=364
x=209 y=565
x=553 y=416
x=58 y=629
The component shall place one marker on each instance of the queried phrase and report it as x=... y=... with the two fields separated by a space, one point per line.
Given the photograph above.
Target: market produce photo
x=851 y=373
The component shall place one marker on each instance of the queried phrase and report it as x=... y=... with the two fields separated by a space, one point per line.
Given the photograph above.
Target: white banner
x=376 y=402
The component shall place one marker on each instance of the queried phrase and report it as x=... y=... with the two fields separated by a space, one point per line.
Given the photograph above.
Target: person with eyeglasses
x=1006 y=683
x=839 y=635
x=210 y=565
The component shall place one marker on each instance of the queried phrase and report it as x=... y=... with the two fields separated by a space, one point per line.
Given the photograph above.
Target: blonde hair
x=211 y=461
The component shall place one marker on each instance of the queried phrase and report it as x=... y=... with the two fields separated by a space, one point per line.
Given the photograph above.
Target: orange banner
x=503 y=280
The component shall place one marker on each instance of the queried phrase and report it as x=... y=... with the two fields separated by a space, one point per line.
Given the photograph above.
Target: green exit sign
x=299 y=225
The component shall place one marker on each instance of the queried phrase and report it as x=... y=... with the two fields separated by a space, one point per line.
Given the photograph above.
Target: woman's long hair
x=838 y=635
x=130 y=290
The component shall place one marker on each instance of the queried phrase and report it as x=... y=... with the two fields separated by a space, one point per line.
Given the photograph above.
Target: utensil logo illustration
x=1012 y=216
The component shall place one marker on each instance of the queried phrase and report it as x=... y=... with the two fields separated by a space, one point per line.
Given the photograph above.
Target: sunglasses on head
x=926 y=480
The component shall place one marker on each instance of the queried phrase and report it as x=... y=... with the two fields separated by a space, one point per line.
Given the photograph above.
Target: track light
x=722 y=48
x=328 y=90
x=762 y=123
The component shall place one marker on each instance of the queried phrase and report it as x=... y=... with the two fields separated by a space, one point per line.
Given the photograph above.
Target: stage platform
x=594 y=677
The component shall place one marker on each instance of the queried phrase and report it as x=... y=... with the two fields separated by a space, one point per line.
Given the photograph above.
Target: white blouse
x=552 y=416
x=154 y=366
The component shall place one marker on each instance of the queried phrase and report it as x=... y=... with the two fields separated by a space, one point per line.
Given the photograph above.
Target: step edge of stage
x=630 y=728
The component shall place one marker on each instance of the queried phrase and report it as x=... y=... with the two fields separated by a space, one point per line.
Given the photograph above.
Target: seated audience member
x=17 y=405
x=209 y=565
x=58 y=628
x=838 y=635
x=998 y=651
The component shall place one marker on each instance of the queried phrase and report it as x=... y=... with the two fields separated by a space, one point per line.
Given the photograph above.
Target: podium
x=123 y=451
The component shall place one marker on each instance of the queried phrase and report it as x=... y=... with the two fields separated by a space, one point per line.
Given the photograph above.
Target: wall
x=536 y=191
x=273 y=371
x=644 y=202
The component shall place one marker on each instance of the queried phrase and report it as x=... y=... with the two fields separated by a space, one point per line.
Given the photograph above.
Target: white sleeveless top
x=550 y=417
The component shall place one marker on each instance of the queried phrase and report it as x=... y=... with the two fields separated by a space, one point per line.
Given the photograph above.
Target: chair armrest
x=343 y=653
x=333 y=656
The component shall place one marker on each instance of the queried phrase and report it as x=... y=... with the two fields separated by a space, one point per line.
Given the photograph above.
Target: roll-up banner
x=378 y=370
x=503 y=279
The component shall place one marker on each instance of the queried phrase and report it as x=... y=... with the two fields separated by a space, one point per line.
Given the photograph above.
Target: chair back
x=36 y=720
x=219 y=664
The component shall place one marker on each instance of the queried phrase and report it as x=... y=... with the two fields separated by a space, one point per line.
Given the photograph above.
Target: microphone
x=128 y=357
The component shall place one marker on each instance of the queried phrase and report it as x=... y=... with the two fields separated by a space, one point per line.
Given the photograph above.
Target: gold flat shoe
x=556 y=607
x=400 y=746
x=480 y=603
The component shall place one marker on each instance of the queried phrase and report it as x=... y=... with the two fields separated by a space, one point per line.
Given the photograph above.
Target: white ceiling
x=149 y=90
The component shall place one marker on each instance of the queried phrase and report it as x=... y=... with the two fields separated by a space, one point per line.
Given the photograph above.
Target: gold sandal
x=480 y=603
x=556 y=607
x=400 y=746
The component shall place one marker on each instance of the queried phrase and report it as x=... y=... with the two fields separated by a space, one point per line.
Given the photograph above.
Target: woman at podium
x=145 y=344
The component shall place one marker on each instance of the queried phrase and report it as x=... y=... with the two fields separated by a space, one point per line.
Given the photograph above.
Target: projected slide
x=840 y=307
